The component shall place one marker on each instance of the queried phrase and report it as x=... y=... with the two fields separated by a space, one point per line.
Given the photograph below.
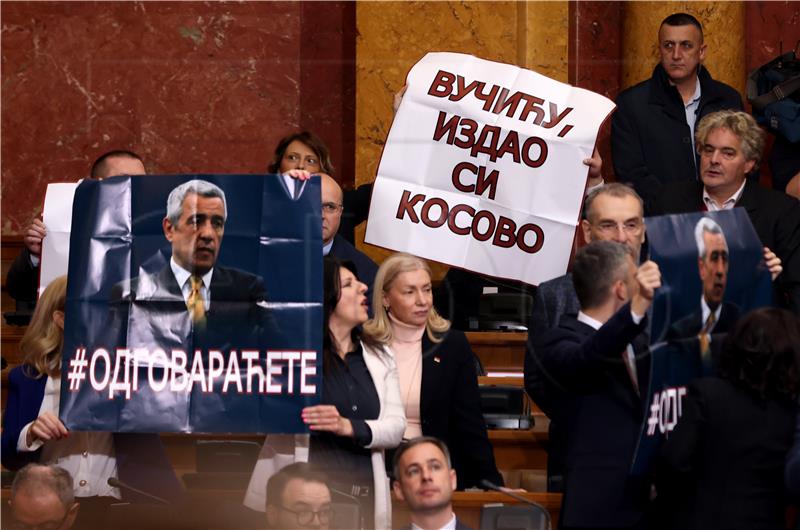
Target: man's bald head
x=331 y=207
x=42 y=496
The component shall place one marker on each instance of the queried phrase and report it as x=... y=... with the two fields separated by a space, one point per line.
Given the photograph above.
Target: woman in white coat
x=361 y=412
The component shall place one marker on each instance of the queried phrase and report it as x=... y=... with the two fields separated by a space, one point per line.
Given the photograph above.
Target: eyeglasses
x=305 y=517
x=629 y=227
x=331 y=208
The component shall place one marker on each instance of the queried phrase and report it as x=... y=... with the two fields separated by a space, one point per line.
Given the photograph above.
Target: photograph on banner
x=713 y=272
x=483 y=167
x=194 y=304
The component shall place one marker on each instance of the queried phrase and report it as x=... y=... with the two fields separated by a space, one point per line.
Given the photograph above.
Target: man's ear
x=620 y=290
x=166 y=224
x=453 y=479
x=586 y=226
x=398 y=492
x=72 y=514
x=748 y=167
x=702 y=55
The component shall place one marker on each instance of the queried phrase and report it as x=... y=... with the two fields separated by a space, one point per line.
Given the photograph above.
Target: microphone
x=116 y=483
x=494 y=487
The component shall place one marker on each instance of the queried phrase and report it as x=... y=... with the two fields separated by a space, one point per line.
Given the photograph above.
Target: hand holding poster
x=483 y=167
x=713 y=272
x=193 y=305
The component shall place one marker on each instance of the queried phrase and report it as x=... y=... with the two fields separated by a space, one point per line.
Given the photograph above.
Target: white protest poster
x=483 y=168
x=57 y=217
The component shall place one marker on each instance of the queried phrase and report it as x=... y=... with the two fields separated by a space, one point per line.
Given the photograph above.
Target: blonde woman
x=436 y=365
x=33 y=432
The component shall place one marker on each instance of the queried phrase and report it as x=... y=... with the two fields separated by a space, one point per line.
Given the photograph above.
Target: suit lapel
x=431 y=373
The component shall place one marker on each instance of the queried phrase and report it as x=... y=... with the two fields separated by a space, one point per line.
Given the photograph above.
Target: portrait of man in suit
x=713 y=314
x=193 y=301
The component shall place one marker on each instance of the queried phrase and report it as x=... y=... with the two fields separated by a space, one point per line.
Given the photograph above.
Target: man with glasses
x=42 y=498
x=730 y=146
x=298 y=498
x=333 y=243
x=612 y=212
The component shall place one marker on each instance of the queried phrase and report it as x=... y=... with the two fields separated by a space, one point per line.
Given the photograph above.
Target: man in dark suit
x=598 y=359
x=652 y=141
x=425 y=480
x=333 y=243
x=713 y=315
x=191 y=299
x=612 y=212
x=730 y=145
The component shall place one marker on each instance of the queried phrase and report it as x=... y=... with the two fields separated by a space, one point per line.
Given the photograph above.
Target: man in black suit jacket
x=730 y=145
x=652 y=129
x=713 y=261
x=425 y=480
x=333 y=243
x=613 y=212
x=596 y=358
x=191 y=302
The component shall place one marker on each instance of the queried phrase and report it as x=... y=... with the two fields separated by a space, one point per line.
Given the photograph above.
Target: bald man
x=334 y=244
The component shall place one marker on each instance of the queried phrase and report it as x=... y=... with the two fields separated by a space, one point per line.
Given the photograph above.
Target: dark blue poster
x=194 y=304
x=713 y=271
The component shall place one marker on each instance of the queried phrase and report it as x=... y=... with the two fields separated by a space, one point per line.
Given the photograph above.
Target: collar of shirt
x=589 y=321
x=596 y=324
x=182 y=277
x=691 y=109
x=707 y=311
x=326 y=248
x=450 y=525
x=711 y=204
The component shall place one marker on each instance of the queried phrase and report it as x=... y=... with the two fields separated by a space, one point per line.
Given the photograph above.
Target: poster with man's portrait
x=713 y=272
x=193 y=305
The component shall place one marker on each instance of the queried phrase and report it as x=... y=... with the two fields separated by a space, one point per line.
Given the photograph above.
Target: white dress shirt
x=450 y=525
x=88 y=456
x=182 y=277
x=712 y=206
x=707 y=311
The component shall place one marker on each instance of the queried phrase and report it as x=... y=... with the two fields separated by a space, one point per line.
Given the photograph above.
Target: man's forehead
x=301 y=491
x=193 y=201
x=723 y=137
x=607 y=206
x=121 y=165
x=714 y=239
x=331 y=189
x=421 y=454
x=686 y=32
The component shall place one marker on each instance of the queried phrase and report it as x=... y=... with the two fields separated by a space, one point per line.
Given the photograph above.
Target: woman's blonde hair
x=42 y=342
x=378 y=330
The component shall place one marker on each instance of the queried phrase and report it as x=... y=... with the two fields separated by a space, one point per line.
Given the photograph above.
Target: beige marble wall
x=392 y=36
x=723 y=28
